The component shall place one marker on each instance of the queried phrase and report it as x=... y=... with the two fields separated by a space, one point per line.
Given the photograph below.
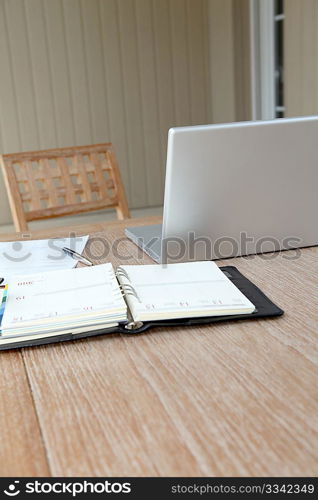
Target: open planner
x=75 y=303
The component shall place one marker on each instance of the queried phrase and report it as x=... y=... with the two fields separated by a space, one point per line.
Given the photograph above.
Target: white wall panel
x=301 y=57
x=87 y=71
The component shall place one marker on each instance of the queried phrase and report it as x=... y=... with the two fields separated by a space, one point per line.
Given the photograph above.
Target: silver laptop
x=237 y=189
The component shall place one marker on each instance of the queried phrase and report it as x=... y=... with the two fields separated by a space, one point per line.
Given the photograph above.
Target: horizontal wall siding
x=78 y=72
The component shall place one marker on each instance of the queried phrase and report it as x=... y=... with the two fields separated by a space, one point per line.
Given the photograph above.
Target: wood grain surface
x=22 y=450
x=238 y=398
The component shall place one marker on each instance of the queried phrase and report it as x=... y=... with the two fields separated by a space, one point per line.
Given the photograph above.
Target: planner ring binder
x=127 y=289
x=120 y=289
x=122 y=320
x=121 y=272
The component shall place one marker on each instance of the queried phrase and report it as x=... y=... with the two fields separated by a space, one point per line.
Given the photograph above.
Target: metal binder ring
x=129 y=290
x=121 y=272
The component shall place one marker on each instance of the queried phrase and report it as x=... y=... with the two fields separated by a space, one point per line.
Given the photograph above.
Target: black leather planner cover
x=265 y=308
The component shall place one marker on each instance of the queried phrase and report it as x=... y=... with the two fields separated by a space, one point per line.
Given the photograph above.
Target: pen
x=77 y=256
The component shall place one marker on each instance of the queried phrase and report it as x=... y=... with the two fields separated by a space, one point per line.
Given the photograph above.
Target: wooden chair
x=65 y=181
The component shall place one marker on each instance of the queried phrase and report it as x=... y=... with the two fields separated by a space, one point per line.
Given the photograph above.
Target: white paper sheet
x=33 y=256
x=191 y=289
x=63 y=299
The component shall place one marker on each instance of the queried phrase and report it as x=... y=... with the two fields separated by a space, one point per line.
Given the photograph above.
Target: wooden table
x=229 y=399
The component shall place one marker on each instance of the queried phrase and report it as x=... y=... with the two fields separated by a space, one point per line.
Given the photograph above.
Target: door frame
x=262 y=56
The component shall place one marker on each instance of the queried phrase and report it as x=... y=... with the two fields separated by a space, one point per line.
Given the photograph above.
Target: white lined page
x=67 y=297
x=182 y=290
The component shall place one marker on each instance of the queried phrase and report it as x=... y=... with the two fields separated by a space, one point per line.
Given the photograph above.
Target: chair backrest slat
x=65 y=181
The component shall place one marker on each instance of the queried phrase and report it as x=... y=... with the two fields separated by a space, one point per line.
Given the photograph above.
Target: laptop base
x=148 y=238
